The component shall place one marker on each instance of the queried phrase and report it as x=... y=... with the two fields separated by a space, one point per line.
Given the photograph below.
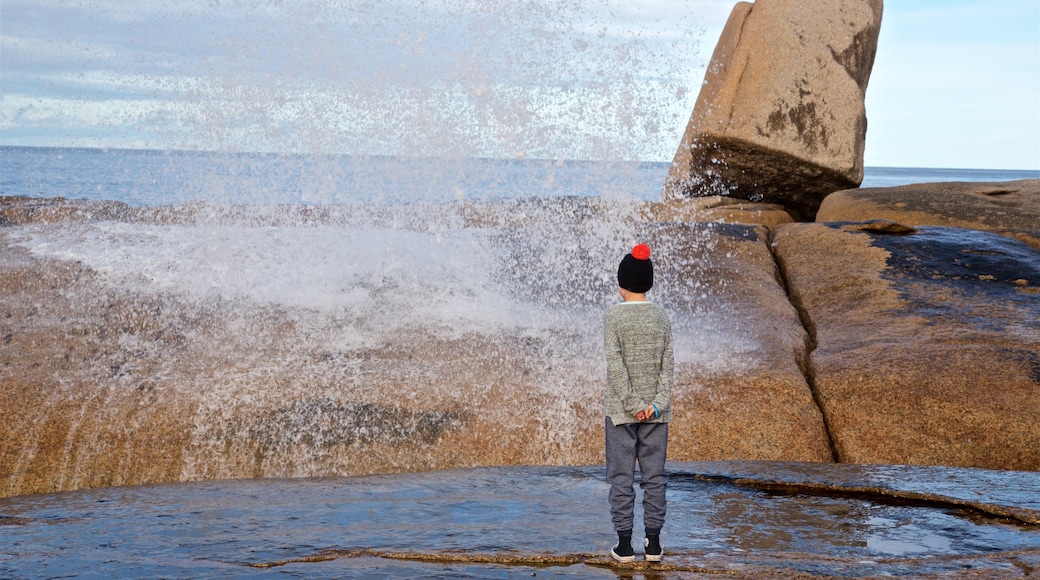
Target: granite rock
x=927 y=347
x=115 y=381
x=754 y=403
x=1010 y=208
x=781 y=117
x=22 y=210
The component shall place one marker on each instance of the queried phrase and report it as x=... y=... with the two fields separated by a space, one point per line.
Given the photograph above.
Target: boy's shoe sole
x=653 y=557
x=620 y=558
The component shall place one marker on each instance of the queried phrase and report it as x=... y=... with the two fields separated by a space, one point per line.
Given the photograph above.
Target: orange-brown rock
x=1010 y=208
x=115 y=381
x=753 y=402
x=780 y=117
x=927 y=342
x=23 y=210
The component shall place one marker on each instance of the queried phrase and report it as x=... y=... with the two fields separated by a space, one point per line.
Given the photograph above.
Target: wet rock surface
x=179 y=345
x=780 y=117
x=1010 y=208
x=926 y=341
x=865 y=342
x=734 y=519
x=757 y=405
x=20 y=210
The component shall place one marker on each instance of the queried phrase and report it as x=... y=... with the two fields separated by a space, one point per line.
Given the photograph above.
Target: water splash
x=444 y=79
x=262 y=342
x=248 y=338
x=412 y=79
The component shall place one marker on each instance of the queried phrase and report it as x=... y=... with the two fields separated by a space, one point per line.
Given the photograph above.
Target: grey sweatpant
x=646 y=443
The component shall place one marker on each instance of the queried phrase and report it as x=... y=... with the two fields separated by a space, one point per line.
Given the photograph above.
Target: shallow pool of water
x=735 y=518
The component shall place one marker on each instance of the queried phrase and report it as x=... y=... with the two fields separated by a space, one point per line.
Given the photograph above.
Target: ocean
x=156 y=178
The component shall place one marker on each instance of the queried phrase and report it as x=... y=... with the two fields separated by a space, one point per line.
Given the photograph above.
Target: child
x=638 y=341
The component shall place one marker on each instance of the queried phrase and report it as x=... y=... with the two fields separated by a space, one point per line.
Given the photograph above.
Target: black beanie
x=636 y=272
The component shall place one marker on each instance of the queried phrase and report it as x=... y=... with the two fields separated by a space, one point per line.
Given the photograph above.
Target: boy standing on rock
x=637 y=402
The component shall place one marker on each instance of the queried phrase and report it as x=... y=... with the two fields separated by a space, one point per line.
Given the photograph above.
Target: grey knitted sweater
x=638 y=341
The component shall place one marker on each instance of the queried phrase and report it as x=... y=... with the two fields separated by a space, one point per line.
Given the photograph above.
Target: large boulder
x=781 y=114
x=927 y=341
x=1010 y=208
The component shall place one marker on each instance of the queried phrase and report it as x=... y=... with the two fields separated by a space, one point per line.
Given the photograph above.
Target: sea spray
x=449 y=79
x=330 y=289
x=275 y=347
x=333 y=87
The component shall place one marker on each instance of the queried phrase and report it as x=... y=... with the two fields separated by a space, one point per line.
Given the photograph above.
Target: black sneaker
x=654 y=551
x=622 y=552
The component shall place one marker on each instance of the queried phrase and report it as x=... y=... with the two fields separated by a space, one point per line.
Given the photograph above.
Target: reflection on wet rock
x=739 y=519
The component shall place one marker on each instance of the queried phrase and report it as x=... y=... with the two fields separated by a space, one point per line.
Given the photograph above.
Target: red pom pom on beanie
x=636 y=271
x=641 y=252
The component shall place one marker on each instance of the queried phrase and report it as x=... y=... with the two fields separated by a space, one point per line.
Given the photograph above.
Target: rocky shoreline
x=869 y=336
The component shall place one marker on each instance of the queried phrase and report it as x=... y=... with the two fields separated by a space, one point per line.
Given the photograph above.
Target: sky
x=955 y=83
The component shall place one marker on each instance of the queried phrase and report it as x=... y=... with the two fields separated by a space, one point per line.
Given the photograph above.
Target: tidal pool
x=743 y=519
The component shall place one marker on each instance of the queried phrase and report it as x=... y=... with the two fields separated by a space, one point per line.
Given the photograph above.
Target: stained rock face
x=1010 y=208
x=780 y=117
x=927 y=341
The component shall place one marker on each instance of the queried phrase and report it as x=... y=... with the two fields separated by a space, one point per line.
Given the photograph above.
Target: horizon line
x=175 y=151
